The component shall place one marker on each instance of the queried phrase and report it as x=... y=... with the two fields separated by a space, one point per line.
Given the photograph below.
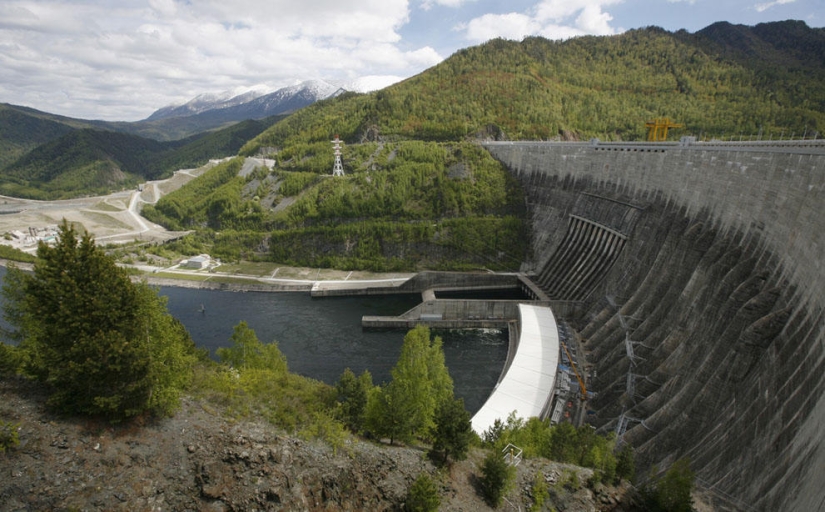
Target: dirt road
x=112 y=219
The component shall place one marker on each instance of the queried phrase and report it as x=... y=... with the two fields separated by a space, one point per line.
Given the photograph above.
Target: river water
x=322 y=337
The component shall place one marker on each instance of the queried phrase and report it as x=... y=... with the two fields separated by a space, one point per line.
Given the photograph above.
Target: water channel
x=322 y=337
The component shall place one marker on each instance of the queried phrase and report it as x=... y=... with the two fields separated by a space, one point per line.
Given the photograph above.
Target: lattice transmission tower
x=337 y=168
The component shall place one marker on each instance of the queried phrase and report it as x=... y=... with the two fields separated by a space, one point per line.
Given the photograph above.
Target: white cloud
x=86 y=58
x=554 y=19
x=509 y=26
x=429 y=4
x=768 y=5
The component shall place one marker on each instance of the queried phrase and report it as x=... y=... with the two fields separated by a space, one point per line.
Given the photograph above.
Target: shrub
x=9 y=437
x=671 y=493
x=496 y=478
x=540 y=492
x=423 y=495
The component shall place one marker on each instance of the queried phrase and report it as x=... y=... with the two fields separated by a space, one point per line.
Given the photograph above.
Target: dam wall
x=699 y=273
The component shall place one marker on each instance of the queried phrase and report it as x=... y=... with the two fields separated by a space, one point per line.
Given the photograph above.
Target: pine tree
x=453 y=430
x=352 y=398
x=672 y=492
x=423 y=495
x=496 y=478
x=106 y=346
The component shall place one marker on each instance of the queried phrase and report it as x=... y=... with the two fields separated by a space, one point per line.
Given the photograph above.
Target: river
x=322 y=337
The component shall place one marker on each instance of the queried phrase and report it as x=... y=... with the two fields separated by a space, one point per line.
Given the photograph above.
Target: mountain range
x=259 y=102
x=722 y=81
x=411 y=161
x=47 y=156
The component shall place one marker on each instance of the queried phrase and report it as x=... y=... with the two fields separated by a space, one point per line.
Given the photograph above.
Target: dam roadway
x=694 y=275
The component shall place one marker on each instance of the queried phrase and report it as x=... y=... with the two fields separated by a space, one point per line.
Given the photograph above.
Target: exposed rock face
x=198 y=460
x=706 y=332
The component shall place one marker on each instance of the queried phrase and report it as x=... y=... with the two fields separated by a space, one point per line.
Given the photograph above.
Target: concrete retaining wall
x=709 y=327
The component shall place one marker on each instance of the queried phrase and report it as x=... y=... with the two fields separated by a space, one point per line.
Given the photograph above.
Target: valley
x=112 y=219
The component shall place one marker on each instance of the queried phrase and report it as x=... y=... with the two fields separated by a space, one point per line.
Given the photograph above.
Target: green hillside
x=419 y=193
x=21 y=132
x=722 y=82
x=73 y=162
x=402 y=206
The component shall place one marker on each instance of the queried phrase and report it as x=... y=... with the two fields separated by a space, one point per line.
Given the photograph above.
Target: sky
x=120 y=60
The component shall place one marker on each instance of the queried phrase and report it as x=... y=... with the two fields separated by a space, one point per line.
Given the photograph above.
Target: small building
x=196 y=262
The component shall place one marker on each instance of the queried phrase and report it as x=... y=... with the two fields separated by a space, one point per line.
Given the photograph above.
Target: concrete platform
x=528 y=384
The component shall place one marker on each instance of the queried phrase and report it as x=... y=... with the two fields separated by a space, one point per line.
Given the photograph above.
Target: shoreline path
x=115 y=219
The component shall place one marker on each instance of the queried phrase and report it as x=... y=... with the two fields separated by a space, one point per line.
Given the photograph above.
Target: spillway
x=698 y=270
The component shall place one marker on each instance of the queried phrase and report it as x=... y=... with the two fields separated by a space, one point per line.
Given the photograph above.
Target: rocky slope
x=199 y=460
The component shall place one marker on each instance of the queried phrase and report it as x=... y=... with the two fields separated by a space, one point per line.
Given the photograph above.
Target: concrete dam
x=699 y=278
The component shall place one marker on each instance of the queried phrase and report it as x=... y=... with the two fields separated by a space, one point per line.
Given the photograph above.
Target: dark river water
x=322 y=337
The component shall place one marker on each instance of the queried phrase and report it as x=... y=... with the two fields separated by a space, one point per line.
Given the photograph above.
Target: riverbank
x=252 y=283
x=279 y=279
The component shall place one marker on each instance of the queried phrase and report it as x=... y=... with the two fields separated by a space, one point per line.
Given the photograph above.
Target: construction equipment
x=657 y=129
x=582 y=387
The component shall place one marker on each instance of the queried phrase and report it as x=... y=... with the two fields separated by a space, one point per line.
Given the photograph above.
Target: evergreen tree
x=626 y=464
x=453 y=430
x=247 y=351
x=422 y=377
x=496 y=478
x=423 y=495
x=352 y=398
x=672 y=492
x=105 y=345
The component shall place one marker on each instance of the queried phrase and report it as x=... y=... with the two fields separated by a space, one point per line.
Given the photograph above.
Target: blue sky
x=123 y=59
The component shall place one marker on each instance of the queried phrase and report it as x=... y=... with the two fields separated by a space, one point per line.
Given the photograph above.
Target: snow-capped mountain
x=259 y=101
x=254 y=103
x=209 y=101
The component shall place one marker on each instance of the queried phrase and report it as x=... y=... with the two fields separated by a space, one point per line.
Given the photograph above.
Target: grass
x=10 y=253
x=297 y=404
x=253 y=268
x=231 y=280
x=182 y=276
x=106 y=220
x=105 y=206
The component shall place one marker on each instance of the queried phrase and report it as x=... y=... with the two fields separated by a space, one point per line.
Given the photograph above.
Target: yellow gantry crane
x=657 y=129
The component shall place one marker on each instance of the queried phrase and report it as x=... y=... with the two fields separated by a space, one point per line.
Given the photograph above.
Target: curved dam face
x=701 y=274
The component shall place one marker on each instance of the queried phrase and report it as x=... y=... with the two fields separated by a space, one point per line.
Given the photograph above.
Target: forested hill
x=723 y=81
x=48 y=159
x=419 y=194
